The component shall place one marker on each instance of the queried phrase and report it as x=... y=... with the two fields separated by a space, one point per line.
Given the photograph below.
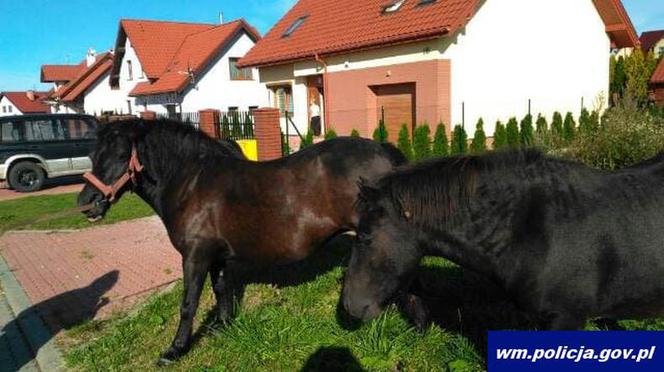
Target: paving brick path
x=7 y=194
x=78 y=275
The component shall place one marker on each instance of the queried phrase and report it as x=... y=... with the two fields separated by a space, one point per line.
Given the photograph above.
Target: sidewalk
x=69 y=277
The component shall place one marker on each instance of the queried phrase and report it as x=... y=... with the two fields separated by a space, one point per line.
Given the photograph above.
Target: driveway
x=52 y=187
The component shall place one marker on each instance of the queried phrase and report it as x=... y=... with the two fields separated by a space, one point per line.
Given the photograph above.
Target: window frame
x=130 y=70
x=294 y=26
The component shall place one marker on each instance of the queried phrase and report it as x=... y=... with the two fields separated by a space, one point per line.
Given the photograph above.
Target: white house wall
x=126 y=85
x=5 y=103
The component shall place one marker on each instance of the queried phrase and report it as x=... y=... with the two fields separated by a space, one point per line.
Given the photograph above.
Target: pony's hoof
x=170 y=357
x=163 y=362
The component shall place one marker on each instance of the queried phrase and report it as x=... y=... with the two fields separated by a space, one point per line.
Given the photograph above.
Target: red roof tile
x=650 y=38
x=341 y=26
x=658 y=76
x=25 y=104
x=195 y=52
x=53 y=73
x=85 y=79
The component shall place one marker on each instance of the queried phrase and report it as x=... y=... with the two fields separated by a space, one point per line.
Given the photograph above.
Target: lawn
x=20 y=214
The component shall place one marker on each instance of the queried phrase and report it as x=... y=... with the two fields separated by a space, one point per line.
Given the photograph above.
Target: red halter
x=110 y=191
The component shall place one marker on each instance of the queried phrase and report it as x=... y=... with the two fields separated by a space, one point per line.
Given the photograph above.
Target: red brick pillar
x=148 y=115
x=268 y=133
x=209 y=122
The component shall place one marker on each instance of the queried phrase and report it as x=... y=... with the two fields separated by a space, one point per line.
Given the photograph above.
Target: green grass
x=20 y=214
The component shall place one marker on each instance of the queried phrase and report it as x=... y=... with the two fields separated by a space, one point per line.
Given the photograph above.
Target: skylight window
x=425 y=2
x=394 y=7
x=294 y=26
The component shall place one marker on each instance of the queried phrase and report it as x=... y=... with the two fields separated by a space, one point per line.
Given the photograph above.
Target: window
x=252 y=108
x=283 y=99
x=393 y=7
x=240 y=73
x=10 y=132
x=10 y=108
x=44 y=130
x=661 y=51
x=130 y=71
x=298 y=22
x=4 y=109
x=232 y=108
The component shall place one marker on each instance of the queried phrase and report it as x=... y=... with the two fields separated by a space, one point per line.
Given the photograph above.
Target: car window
x=79 y=128
x=44 y=130
x=11 y=131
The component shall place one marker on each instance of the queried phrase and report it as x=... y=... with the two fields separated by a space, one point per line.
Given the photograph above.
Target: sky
x=36 y=32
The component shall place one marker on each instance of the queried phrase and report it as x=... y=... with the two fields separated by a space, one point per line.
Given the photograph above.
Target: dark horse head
x=112 y=159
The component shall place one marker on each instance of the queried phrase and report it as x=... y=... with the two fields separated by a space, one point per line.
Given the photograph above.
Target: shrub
x=285 y=147
x=499 y=136
x=557 y=130
x=626 y=136
x=459 y=141
x=422 y=142
x=380 y=133
x=403 y=143
x=584 y=121
x=569 y=129
x=512 y=131
x=478 y=145
x=441 y=146
x=594 y=120
x=330 y=134
x=308 y=140
x=354 y=133
x=527 y=135
x=542 y=135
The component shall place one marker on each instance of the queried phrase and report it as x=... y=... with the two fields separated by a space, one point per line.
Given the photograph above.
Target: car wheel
x=26 y=177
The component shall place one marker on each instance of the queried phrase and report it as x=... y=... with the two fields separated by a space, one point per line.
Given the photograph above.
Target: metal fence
x=237 y=125
x=189 y=118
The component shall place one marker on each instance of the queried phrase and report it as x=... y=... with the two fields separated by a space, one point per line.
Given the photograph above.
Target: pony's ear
x=368 y=193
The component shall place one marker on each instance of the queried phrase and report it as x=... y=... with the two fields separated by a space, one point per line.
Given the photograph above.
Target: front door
x=396 y=105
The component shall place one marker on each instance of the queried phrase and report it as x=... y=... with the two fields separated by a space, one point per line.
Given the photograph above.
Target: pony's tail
x=396 y=156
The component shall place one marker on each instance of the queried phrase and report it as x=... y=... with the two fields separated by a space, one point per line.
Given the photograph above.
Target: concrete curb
x=39 y=337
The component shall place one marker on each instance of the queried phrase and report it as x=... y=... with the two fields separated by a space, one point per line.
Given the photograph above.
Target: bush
x=330 y=134
x=441 y=146
x=308 y=140
x=569 y=129
x=557 y=130
x=459 y=141
x=626 y=136
x=527 y=135
x=542 y=135
x=422 y=142
x=499 y=136
x=403 y=143
x=354 y=133
x=584 y=121
x=594 y=121
x=512 y=130
x=380 y=133
x=478 y=145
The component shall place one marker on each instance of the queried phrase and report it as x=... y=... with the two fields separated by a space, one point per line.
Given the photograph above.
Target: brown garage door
x=397 y=103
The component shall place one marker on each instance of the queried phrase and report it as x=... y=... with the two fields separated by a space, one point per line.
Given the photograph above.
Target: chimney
x=91 y=58
x=221 y=18
x=30 y=94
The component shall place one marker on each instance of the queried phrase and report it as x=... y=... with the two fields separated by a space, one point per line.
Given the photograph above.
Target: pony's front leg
x=194 y=278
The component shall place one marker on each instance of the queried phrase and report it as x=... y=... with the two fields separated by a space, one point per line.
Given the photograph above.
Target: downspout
x=326 y=112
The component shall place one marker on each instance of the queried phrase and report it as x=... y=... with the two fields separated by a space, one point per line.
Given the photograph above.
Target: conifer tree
x=478 y=145
x=459 y=141
x=527 y=134
x=499 y=136
x=404 y=144
x=422 y=142
x=441 y=146
x=512 y=130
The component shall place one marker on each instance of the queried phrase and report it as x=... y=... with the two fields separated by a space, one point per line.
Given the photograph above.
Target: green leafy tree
x=557 y=130
x=354 y=133
x=404 y=144
x=308 y=140
x=459 y=141
x=499 y=136
x=478 y=145
x=512 y=130
x=542 y=135
x=569 y=129
x=380 y=133
x=527 y=133
x=639 y=68
x=330 y=134
x=441 y=146
x=422 y=142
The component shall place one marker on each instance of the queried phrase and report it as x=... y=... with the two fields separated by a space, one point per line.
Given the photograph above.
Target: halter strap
x=110 y=191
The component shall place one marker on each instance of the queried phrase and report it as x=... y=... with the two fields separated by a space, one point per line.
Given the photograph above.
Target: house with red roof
x=416 y=61
x=176 y=67
x=653 y=42
x=657 y=84
x=20 y=103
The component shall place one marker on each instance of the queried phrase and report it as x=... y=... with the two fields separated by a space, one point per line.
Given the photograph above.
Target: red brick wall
x=209 y=122
x=657 y=92
x=268 y=133
x=148 y=115
x=352 y=102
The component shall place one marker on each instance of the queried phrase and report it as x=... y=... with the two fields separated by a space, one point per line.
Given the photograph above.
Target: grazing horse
x=219 y=208
x=566 y=242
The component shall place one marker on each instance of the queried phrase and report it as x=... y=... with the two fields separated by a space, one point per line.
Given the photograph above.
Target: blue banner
x=575 y=351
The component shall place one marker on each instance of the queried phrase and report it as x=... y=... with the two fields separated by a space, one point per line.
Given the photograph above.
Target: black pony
x=566 y=241
x=219 y=208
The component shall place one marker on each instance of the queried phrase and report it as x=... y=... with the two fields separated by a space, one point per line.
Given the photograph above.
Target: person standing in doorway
x=314 y=114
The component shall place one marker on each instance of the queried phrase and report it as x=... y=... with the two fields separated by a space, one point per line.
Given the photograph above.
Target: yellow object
x=249 y=148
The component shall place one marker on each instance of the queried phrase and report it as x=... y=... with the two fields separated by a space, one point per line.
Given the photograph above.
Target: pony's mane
x=428 y=193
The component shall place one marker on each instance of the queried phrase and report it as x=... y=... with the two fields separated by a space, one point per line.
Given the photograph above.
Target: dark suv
x=36 y=147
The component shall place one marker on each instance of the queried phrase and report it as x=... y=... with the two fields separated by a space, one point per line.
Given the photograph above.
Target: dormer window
x=393 y=7
x=298 y=22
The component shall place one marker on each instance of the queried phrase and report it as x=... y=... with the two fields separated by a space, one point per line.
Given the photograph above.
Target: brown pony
x=219 y=207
